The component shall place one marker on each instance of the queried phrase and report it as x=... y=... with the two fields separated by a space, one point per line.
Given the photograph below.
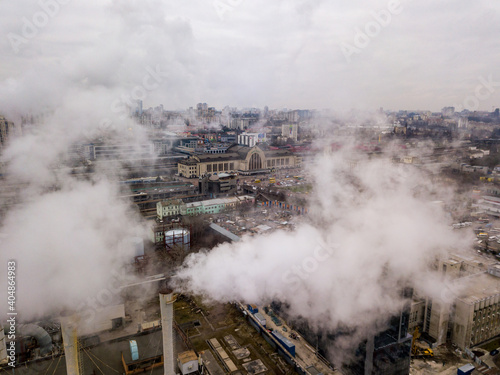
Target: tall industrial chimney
x=69 y=335
x=167 y=300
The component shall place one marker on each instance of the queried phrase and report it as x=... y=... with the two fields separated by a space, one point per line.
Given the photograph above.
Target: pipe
x=42 y=337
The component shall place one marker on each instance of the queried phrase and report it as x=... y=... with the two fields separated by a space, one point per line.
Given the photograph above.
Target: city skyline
x=365 y=55
x=292 y=187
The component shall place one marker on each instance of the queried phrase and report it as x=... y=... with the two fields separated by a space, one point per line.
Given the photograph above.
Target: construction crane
x=417 y=352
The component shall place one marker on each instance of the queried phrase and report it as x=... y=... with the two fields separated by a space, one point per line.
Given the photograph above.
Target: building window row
x=278 y=162
x=220 y=167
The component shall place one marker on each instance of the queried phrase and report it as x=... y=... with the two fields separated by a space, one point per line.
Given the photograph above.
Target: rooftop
x=478 y=287
x=170 y=202
x=235 y=152
x=187 y=357
x=149 y=346
x=210 y=362
x=218 y=157
x=225 y=232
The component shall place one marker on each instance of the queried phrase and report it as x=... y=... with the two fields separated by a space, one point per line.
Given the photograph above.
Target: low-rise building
x=121 y=151
x=490 y=205
x=169 y=207
x=211 y=206
x=147 y=195
x=466 y=168
x=216 y=185
x=214 y=206
x=187 y=362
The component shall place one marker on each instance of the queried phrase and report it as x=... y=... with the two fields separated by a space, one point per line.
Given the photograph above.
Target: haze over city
x=419 y=55
x=244 y=187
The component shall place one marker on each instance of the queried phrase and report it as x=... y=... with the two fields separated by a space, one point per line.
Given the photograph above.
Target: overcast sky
x=295 y=54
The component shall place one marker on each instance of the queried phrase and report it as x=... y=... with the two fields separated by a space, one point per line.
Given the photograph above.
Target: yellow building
x=246 y=160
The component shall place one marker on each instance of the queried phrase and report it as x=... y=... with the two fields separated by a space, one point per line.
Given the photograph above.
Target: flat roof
x=313 y=370
x=478 y=287
x=188 y=356
x=225 y=232
x=227 y=156
x=149 y=346
x=491 y=199
x=214 y=342
x=467 y=367
x=211 y=364
x=188 y=162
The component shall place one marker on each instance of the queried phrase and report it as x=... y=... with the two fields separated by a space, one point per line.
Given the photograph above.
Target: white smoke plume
x=372 y=231
x=69 y=237
x=66 y=244
x=213 y=126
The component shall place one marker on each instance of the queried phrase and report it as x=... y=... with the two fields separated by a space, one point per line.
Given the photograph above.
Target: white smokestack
x=167 y=300
x=69 y=335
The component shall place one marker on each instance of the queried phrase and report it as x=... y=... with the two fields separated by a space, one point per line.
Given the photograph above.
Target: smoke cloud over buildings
x=373 y=230
x=67 y=234
x=70 y=236
x=66 y=244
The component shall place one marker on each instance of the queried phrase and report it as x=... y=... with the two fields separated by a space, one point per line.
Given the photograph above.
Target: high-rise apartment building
x=7 y=130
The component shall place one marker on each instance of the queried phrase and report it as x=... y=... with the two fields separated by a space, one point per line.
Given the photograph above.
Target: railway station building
x=243 y=159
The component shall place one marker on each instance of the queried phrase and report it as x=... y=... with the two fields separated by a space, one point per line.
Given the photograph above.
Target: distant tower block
x=69 y=335
x=167 y=300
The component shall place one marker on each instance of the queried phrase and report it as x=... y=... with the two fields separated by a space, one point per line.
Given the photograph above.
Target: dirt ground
x=445 y=362
x=217 y=320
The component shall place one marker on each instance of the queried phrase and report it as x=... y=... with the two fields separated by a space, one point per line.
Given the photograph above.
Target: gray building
x=214 y=185
x=7 y=130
